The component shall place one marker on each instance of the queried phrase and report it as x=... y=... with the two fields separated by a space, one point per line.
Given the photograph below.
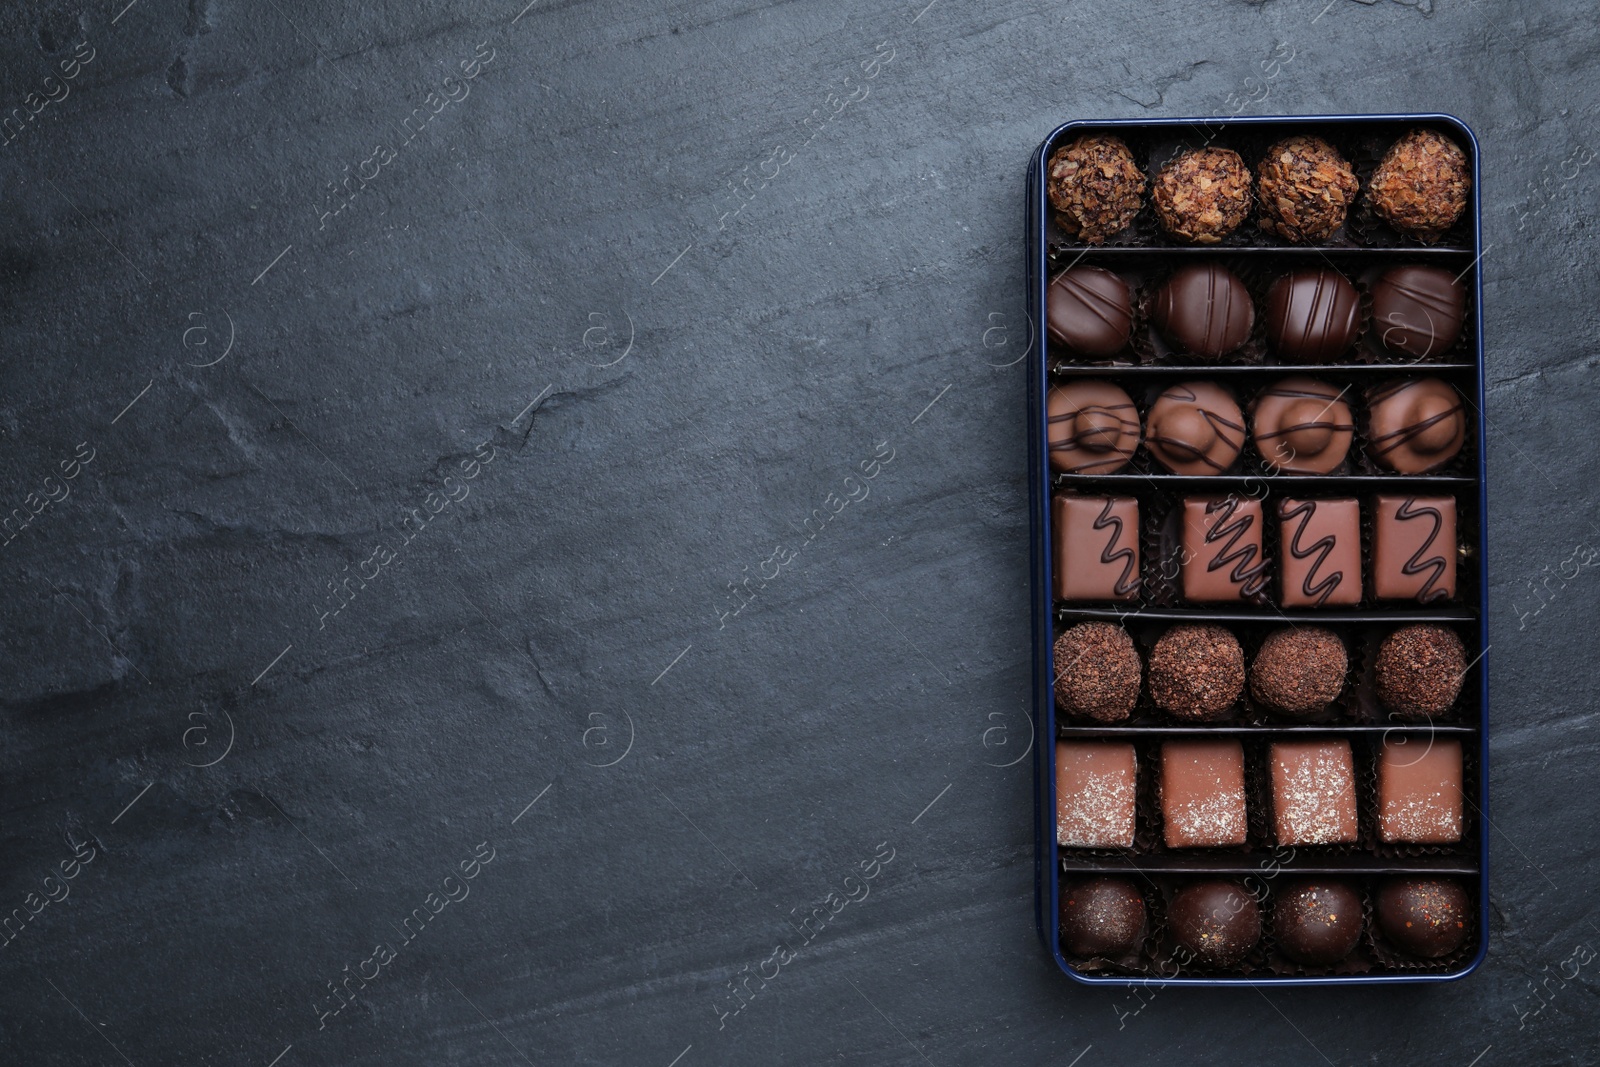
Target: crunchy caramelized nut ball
x=1203 y=195
x=1422 y=184
x=1095 y=187
x=1304 y=188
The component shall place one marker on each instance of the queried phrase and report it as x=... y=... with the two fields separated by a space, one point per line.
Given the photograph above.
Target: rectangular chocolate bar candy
x=1202 y=794
x=1095 y=790
x=1320 y=562
x=1097 y=547
x=1414 y=548
x=1313 y=792
x=1419 y=790
x=1223 y=558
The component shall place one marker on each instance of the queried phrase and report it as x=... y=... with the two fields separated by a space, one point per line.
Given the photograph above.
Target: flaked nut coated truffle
x=1196 y=672
x=1202 y=195
x=1305 y=188
x=1097 y=672
x=1420 y=669
x=1299 y=670
x=1095 y=187
x=1421 y=185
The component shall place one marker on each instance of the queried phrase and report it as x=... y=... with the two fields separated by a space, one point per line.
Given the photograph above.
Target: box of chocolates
x=1257 y=485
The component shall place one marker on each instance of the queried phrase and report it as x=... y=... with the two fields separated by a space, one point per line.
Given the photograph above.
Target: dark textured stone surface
x=509 y=253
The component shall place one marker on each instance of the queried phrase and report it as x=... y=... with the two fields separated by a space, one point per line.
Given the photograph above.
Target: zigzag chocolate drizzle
x=1128 y=581
x=1250 y=579
x=1416 y=564
x=1322 y=548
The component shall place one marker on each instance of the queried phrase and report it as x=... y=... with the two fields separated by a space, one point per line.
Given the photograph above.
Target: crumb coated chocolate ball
x=1089 y=312
x=1317 y=921
x=1420 y=669
x=1205 y=310
x=1299 y=670
x=1202 y=195
x=1216 y=921
x=1097 y=672
x=1424 y=916
x=1196 y=672
x=1095 y=187
x=1421 y=186
x=1101 y=917
x=1305 y=188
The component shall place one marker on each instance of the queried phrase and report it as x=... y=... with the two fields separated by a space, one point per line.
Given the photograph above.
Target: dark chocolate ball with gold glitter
x=1102 y=917
x=1425 y=917
x=1216 y=922
x=1317 y=921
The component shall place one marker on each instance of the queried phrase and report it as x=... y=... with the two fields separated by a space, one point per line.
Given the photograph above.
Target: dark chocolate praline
x=1426 y=917
x=1420 y=669
x=1097 y=672
x=1102 y=917
x=1219 y=922
x=1418 y=311
x=1089 y=312
x=1299 y=670
x=1205 y=310
x=1196 y=672
x=1317 y=921
x=1312 y=316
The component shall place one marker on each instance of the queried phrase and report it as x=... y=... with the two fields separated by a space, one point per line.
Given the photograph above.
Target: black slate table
x=517 y=547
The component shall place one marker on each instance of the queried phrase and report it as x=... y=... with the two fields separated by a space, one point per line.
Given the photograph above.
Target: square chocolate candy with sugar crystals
x=1096 y=784
x=1223 y=559
x=1320 y=561
x=1097 y=547
x=1202 y=794
x=1419 y=790
x=1414 y=548
x=1313 y=793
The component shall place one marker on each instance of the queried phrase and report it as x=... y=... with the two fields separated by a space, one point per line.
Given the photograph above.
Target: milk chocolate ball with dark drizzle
x=1416 y=426
x=1093 y=428
x=1302 y=426
x=1195 y=428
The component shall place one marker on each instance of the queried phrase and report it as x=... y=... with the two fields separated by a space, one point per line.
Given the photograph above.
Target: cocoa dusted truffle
x=1102 y=917
x=1217 y=921
x=1416 y=426
x=1312 y=315
x=1205 y=310
x=1195 y=428
x=1089 y=312
x=1426 y=917
x=1299 y=670
x=1317 y=921
x=1305 y=188
x=1092 y=427
x=1196 y=672
x=1421 y=185
x=1095 y=187
x=1097 y=672
x=1420 y=669
x=1202 y=195
x=1302 y=426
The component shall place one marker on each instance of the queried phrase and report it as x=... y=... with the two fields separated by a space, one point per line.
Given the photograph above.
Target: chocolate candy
x=1216 y=922
x=1426 y=917
x=1195 y=428
x=1420 y=670
x=1312 y=315
x=1414 y=548
x=1095 y=788
x=1299 y=670
x=1097 y=547
x=1202 y=794
x=1416 y=426
x=1204 y=310
x=1302 y=426
x=1421 y=184
x=1095 y=187
x=1419 y=789
x=1102 y=917
x=1418 y=311
x=1196 y=672
x=1313 y=792
x=1097 y=672
x=1222 y=560
x=1093 y=428
x=1317 y=921
x=1089 y=312
x=1320 y=558
x=1305 y=188
x=1203 y=195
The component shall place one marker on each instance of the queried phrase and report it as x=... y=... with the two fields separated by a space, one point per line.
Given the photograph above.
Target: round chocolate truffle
x=1101 y=917
x=1089 y=312
x=1317 y=921
x=1195 y=428
x=1302 y=426
x=1421 y=185
x=1416 y=426
x=1312 y=315
x=1196 y=672
x=1304 y=188
x=1218 y=921
x=1420 y=669
x=1095 y=187
x=1418 y=311
x=1097 y=672
x=1202 y=195
x=1093 y=428
x=1424 y=916
x=1299 y=670
x=1204 y=310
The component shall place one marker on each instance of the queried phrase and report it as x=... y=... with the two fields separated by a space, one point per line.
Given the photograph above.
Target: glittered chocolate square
x=1419 y=790
x=1414 y=548
x=1095 y=788
x=1202 y=794
x=1097 y=547
x=1313 y=793
x=1320 y=561
x=1222 y=549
